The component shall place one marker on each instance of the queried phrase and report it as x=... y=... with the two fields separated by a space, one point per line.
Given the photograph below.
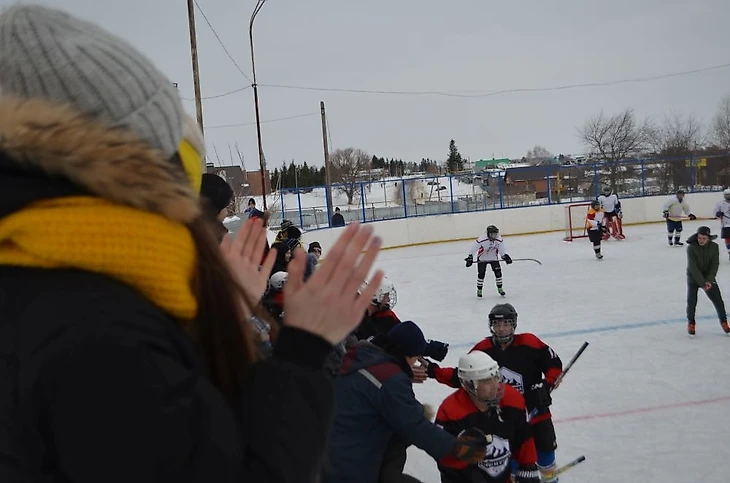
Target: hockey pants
x=482 y=272
x=713 y=294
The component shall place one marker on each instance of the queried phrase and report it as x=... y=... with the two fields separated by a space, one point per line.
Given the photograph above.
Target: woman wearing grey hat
x=126 y=352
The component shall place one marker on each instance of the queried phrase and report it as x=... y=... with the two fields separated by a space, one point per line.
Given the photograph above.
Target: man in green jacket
x=703 y=260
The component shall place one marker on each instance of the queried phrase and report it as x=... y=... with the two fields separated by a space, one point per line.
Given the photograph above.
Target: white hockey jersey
x=723 y=206
x=486 y=250
x=676 y=207
x=610 y=203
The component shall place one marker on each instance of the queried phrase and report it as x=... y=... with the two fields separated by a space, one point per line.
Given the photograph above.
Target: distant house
x=244 y=183
x=486 y=164
x=532 y=179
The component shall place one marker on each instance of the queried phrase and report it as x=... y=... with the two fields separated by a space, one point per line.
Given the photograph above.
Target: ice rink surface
x=644 y=402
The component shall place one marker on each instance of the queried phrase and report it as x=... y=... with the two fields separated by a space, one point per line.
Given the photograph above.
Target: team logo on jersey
x=497 y=458
x=512 y=378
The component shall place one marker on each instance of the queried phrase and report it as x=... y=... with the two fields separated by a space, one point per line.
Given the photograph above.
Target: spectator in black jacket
x=125 y=354
x=337 y=218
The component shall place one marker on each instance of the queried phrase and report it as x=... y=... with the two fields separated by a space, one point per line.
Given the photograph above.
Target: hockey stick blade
x=524 y=260
x=563 y=469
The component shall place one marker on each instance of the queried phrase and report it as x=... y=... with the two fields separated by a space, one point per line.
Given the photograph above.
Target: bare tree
x=347 y=165
x=721 y=124
x=676 y=137
x=615 y=138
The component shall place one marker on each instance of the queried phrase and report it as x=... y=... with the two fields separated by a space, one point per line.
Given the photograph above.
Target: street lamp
x=256 y=10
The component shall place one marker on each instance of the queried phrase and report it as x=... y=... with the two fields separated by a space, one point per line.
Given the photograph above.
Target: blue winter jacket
x=373 y=401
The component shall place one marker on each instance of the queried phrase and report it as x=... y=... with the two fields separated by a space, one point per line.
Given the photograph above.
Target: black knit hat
x=216 y=190
x=407 y=339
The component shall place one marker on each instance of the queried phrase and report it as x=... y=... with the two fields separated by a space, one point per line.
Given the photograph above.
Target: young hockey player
x=527 y=364
x=703 y=260
x=722 y=211
x=673 y=209
x=488 y=250
x=595 y=224
x=485 y=402
x=612 y=212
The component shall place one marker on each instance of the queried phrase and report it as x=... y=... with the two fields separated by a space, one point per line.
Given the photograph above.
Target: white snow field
x=644 y=402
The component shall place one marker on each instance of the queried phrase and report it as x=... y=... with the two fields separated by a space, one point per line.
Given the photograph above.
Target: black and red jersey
x=526 y=361
x=511 y=437
x=379 y=323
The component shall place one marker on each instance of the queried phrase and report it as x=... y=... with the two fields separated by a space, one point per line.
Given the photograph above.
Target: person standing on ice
x=595 y=224
x=673 y=209
x=527 y=364
x=612 y=211
x=722 y=211
x=498 y=409
x=703 y=260
x=487 y=250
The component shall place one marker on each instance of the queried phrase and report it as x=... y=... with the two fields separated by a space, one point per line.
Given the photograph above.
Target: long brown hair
x=224 y=334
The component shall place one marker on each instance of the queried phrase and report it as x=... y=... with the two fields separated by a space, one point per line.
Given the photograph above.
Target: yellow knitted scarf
x=152 y=254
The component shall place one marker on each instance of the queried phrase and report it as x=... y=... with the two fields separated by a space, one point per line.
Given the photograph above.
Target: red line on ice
x=628 y=412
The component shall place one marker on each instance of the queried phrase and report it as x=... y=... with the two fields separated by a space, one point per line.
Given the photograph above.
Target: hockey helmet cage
x=278 y=280
x=595 y=204
x=507 y=313
x=726 y=194
x=386 y=288
x=606 y=190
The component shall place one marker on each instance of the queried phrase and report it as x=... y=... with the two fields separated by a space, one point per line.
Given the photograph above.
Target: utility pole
x=262 y=164
x=327 y=167
x=194 y=55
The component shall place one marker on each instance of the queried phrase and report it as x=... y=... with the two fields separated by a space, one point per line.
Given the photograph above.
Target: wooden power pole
x=194 y=55
x=327 y=166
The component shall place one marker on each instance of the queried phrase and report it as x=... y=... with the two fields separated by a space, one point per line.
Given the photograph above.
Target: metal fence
x=394 y=198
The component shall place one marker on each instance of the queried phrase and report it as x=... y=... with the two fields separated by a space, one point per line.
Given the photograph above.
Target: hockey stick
x=559 y=380
x=563 y=469
x=524 y=260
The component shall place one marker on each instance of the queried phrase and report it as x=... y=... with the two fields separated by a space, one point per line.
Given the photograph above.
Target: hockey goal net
x=575 y=221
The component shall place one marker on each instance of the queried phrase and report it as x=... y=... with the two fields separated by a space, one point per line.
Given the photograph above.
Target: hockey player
x=612 y=212
x=595 y=224
x=673 y=209
x=527 y=364
x=722 y=211
x=498 y=409
x=488 y=250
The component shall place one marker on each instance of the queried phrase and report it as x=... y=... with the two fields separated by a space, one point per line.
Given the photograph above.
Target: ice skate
x=479 y=292
x=725 y=327
x=599 y=255
x=691 y=329
x=501 y=291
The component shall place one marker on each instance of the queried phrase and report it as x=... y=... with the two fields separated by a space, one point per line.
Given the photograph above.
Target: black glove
x=431 y=369
x=507 y=259
x=719 y=214
x=471 y=446
x=527 y=474
x=436 y=350
x=541 y=396
x=665 y=214
x=469 y=260
x=692 y=217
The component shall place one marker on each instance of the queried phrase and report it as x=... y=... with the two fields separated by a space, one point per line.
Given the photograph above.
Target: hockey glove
x=507 y=259
x=541 y=396
x=527 y=474
x=431 y=369
x=692 y=217
x=469 y=260
x=665 y=214
x=471 y=446
x=436 y=350
x=718 y=214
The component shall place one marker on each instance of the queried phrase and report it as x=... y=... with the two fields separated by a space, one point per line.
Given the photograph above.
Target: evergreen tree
x=454 y=162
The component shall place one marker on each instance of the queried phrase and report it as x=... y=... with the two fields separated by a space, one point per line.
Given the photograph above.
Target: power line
x=222 y=44
x=472 y=94
x=269 y=120
x=240 y=89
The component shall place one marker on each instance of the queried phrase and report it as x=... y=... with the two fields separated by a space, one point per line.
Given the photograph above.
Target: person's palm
x=328 y=304
x=243 y=255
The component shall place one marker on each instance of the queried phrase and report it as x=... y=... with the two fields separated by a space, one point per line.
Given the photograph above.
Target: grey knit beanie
x=46 y=53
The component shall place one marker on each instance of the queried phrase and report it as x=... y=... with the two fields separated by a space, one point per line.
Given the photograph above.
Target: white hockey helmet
x=386 y=288
x=478 y=366
x=726 y=194
x=278 y=280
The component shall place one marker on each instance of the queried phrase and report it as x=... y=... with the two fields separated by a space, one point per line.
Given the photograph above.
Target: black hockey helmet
x=492 y=232
x=606 y=190
x=507 y=313
x=595 y=204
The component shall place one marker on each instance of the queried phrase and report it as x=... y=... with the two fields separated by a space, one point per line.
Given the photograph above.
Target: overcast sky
x=452 y=46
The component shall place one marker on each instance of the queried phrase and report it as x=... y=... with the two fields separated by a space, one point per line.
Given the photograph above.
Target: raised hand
x=243 y=255
x=328 y=303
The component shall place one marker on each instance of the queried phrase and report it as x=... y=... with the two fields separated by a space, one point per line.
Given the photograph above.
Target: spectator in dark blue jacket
x=374 y=401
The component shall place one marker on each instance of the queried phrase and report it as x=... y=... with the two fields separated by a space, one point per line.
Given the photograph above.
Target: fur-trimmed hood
x=112 y=163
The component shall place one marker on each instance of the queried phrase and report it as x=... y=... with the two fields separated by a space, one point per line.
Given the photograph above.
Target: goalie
x=612 y=213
